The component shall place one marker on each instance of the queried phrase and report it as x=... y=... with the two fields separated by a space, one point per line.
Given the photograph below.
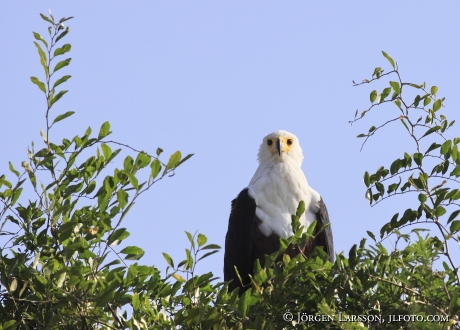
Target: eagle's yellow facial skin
x=286 y=144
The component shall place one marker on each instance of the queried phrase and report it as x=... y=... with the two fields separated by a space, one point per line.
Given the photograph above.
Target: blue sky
x=213 y=78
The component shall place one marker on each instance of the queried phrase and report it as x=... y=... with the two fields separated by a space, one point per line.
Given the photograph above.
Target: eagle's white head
x=279 y=184
x=281 y=146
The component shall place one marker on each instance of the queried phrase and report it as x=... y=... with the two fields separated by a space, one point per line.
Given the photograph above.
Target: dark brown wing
x=265 y=245
x=244 y=242
x=324 y=239
x=238 y=242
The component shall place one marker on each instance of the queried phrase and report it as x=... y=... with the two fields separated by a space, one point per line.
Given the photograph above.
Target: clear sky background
x=213 y=78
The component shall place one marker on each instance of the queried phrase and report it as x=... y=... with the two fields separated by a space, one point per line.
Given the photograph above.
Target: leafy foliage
x=56 y=261
x=424 y=172
x=63 y=263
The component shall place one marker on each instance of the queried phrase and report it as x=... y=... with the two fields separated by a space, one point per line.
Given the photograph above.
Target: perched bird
x=261 y=214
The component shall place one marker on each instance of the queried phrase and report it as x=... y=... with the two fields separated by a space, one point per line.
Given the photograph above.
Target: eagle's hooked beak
x=279 y=146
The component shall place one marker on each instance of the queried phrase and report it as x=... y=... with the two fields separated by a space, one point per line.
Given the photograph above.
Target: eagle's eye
x=269 y=142
x=289 y=142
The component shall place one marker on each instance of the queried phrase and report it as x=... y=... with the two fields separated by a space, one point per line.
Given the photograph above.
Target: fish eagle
x=261 y=214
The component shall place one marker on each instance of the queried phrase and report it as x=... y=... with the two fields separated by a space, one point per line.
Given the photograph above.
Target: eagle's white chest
x=277 y=190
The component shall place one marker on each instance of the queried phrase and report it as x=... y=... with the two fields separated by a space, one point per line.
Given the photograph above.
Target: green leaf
x=156 y=168
x=62 y=35
x=408 y=159
x=202 y=239
x=8 y=325
x=61 y=80
x=454 y=194
x=377 y=73
x=434 y=90
x=385 y=93
x=168 y=259
x=190 y=238
x=64 y=19
x=104 y=131
x=417 y=100
x=395 y=166
x=371 y=234
x=426 y=101
x=13 y=285
x=437 y=105
x=142 y=160
x=62 y=50
x=132 y=250
x=189 y=261
x=413 y=85
x=16 y=195
x=180 y=279
x=392 y=187
x=422 y=198
x=380 y=187
x=61 y=64
x=211 y=246
x=300 y=209
x=133 y=180
x=39 y=37
x=366 y=179
x=243 y=303
x=11 y=167
x=455 y=226
x=63 y=116
x=41 y=53
x=373 y=96
x=455 y=154
x=445 y=148
x=37 y=82
x=311 y=227
x=136 y=301
x=439 y=211
x=208 y=254
x=389 y=59
x=128 y=164
x=113 y=155
x=122 y=198
x=159 y=151
x=431 y=130
x=134 y=256
x=32 y=178
x=106 y=151
x=61 y=279
x=443 y=125
x=415 y=182
x=453 y=215
x=132 y=272
x=404 y=123
x=57 y=97
x=174 y=159
x=432 y=147
x=396 y=87
x=105 y=298
x=117 y=236
x=47 y=19
x=369 y=195
x=90 y=188
x=185 y=159
x=5 y=182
